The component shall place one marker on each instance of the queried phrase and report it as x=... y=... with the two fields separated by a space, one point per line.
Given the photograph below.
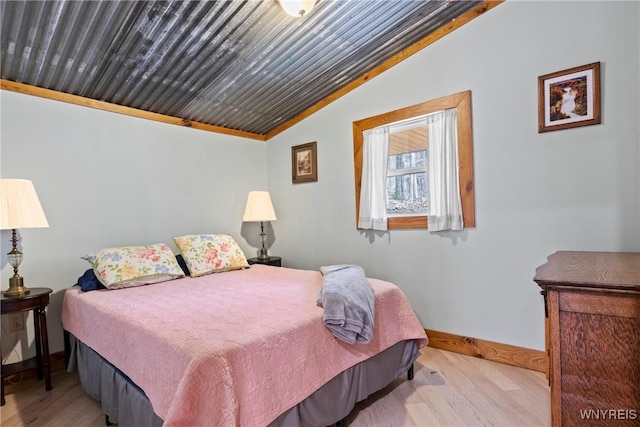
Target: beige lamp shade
x=20 y=205
x=259 y=207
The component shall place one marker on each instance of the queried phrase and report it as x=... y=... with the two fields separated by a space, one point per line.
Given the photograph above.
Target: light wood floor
x=448 y=390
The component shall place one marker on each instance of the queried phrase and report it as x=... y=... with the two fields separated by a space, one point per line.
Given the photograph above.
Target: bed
x=246 y=347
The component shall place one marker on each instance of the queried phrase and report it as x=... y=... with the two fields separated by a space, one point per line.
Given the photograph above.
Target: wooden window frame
x=462 y=103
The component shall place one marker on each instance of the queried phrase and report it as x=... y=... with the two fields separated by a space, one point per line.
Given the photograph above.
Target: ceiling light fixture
x=297 y=8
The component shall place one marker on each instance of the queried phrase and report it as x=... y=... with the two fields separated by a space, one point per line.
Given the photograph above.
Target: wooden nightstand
x=274 y=260
x=37 y=300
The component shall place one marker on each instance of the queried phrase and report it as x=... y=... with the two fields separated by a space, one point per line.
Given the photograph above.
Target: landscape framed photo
x=569 y=98
x=304 y=163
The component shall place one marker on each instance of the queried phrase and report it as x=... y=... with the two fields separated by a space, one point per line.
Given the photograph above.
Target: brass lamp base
x=16 y=287
x=262 y=254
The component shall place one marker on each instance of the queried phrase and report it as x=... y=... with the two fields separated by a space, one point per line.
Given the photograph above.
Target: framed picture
x=569 y=98
x=304 y=163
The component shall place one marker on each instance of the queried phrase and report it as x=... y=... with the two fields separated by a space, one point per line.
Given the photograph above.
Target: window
x=407 y=182
x=407 y=186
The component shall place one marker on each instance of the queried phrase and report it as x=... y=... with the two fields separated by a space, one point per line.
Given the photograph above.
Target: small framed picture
x=569 y=98
x=304 y=163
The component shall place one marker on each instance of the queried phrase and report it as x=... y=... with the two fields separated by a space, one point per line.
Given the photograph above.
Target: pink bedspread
x=233 y=348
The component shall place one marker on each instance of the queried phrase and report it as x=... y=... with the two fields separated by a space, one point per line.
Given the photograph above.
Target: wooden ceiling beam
x=115 y=108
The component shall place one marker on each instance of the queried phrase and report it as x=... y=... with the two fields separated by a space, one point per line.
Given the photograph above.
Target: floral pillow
x=129 y=266
x=210 y=253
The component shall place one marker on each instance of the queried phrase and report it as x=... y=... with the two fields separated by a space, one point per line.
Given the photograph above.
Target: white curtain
x=373 y=190
x=445 y=207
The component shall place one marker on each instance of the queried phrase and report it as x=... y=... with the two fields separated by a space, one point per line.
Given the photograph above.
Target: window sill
x=407 y=222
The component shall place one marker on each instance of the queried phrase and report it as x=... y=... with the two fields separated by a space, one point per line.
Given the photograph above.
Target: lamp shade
x=20 y=205
x=259 y=207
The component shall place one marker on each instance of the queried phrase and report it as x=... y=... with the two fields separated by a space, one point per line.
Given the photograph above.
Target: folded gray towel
x=348 y=301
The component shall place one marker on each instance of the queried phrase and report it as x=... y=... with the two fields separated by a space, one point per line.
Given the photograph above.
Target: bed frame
x=124 y=403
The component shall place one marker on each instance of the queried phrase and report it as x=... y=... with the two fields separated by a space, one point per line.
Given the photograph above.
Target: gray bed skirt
x=125 y=403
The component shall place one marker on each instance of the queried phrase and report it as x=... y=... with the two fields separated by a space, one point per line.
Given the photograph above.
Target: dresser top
x=611 y=270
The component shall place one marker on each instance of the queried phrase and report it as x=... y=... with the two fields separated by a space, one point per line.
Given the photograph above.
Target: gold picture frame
x=304 y=163
x=569 y=98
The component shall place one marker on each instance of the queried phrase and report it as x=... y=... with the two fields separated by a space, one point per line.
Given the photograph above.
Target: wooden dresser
x=593 y=337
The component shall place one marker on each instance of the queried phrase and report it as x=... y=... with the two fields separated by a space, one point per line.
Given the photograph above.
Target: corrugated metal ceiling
x=242 y=65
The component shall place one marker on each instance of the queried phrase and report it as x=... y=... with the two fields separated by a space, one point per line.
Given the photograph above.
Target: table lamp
x=20 y=209
x=259 y=208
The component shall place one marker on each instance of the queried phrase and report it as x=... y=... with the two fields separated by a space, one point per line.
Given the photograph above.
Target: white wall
x=576 y=189
x=105 y=180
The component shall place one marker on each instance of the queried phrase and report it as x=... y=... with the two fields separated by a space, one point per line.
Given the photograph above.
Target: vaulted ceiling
x=233 y=66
